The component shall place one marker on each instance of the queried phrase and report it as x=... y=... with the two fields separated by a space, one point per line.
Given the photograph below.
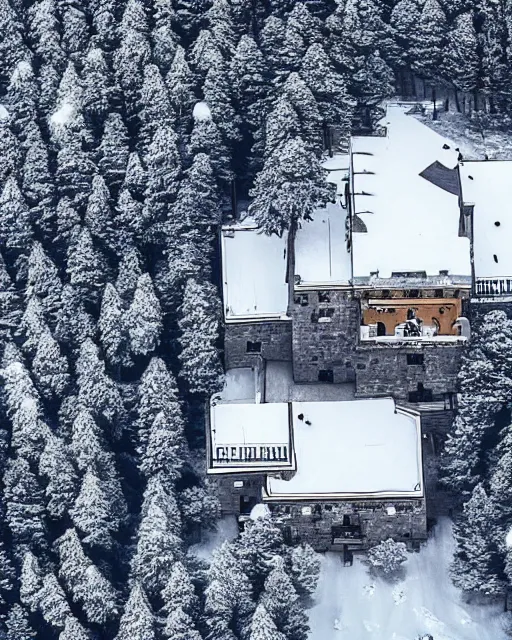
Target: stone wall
x=382 y=369
x=328 y=344
x=231 y=487
x=313 y=522
x=275 y=337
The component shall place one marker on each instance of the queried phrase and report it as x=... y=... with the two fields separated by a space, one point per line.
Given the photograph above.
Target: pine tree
x=21 y=100
x=164 y=40
x=206 y=138
x=29 y=433
x=10 y=150
x=25 y=506
x=282 y=603
x=199 y=325
x=55 y=465
x=75 y=32
x=31 y=581
x=128 y=274
x=165 y=448
x=262 y=627
x=15 y=228
x=272 y=38
x=135 y=178
x=33 y=325
x=111 y=329
x=303 y=101
x=404 y=19
x=157 y=394
x=180 y=626
x=85 y=582
x=158 y=545
x=18 y=387
x=305 y=570
x=74 y=324
x=257 y=544
x=130 y=219
x=98 y=215
x=180 y=85
x=138 y=620
x=114 y=151
x=143 y=320
x=200 y=508
x=50 y=368
x=461 y=58
x=98 y=89
x=73 y=630
x=430 y=40
x=12 y=48
x=104 y=23
x=495 y=71
x=289 y=188
x=84 y=265
x=96 y=390
x=179 y=592
x=217 y=94
x=478 y=566
x=74 y=175
x=52 y=602
x=155 y=106
x=18 y=625
x=205 y=52
x=91 y=513
x=43 y=280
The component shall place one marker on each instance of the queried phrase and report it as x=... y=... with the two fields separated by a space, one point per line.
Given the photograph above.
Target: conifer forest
x=129 y=131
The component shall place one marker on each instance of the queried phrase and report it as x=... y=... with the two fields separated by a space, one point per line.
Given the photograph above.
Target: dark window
x=302 y=299
x=421 y=394
x=253 y=347
x=326 y=312
x=381 y=329
x=323 y=296
x=346 y=520
x=438 y=293
x=287 y=535
x=326 y=375
x=414 y=358
x=414 y=293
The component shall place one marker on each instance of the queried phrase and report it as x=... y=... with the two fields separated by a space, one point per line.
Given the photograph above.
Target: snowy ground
x=227 y=529
x=353 y=606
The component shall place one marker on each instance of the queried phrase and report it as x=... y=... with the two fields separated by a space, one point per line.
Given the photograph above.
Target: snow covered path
x=353 y=606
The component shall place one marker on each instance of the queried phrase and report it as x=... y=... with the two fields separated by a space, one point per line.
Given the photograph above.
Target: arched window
x=381 y=329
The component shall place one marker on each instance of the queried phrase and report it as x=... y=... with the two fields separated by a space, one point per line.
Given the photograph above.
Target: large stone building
x=368 y=300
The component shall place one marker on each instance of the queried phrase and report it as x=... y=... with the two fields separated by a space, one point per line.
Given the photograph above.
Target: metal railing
x=493 y=287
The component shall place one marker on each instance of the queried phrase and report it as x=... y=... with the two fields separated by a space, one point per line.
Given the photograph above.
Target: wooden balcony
x=493 y=287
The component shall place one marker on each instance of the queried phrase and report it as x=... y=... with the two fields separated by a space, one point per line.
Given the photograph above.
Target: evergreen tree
x=155 y=106
x=303 y=101
x=430 y=39
x=97 y=87
x=404 y=19
x=18 y=625
x=21 y=100
x=25 y=506
x=205 y=52
x=104 y=23
x=111 y=329
x=73 y=630
x=461 y=57
x=164 y=40
x=98 y=215
x=478 y=566
x=84 y=265
x=75 y=33
x=55 y=465
x=282 y=604
x=135 y=177
x=137 y=620
x=114 y=151
x=74 y=323
x=29 y=433
x=289 y=188
x=179 y=592
x=262 y=626
x=143 y=320
x=199 y=325
x=91 y=513
x=180 y=626
x=52 y=602
x=218 y=96
x=130 y=219
x=165 y=448
x=15 y=228
x=31 y=581
x=128 y=274
x=50 y=368
x=206 y=138
x=180 y=85
x=10 y=150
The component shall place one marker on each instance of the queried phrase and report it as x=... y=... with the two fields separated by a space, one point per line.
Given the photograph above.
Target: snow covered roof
x=412 y=225
x=321 y=256
x=359 y=448
x=488 y=186
x=240 y=386
x=245 y=437
x=254 y=269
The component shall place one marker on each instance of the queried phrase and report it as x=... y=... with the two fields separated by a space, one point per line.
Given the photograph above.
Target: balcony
x=493 y=287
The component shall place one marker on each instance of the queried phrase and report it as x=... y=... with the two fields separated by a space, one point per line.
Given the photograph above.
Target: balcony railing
x=493 y=287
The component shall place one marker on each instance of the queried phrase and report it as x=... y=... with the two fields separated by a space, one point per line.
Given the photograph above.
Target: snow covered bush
x=386 y=559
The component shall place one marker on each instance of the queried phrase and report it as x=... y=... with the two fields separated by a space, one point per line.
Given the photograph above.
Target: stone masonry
x=275 y=338
x=325 y=333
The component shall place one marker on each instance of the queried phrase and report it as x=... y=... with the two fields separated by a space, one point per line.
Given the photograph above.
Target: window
x=421 y=394
x=438 y=293
x=253 y=347
x=325 y=314
x=326 y=375
x=323 y=296
x=302 y=299
x=414 y=293
x=237 y=484
x=415 y=358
